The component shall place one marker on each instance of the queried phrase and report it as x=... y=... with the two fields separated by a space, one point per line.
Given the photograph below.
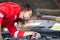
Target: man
x=24 y=18
x=19 y=23
x=10 y=11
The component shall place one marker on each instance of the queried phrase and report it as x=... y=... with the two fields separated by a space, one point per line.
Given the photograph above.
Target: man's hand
x=1 y=38
x=0 y=33
x=36 y=35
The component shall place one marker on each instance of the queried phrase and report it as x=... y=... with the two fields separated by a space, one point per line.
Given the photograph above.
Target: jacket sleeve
x=19 y=34
x=1 y=18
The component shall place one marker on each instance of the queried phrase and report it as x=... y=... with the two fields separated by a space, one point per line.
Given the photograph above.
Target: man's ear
x=15 y=24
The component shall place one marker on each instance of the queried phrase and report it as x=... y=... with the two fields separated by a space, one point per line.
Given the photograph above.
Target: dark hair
x=20 y=20
x=26 y=5
x=3 y=1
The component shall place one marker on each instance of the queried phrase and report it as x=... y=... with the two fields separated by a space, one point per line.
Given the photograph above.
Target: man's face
x=25 y=15
x=18 y=25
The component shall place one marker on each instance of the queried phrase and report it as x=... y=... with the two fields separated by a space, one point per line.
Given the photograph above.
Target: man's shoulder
x=10 y=4
x=10 y=8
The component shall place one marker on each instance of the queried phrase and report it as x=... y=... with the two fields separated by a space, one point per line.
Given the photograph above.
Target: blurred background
x=44 y=8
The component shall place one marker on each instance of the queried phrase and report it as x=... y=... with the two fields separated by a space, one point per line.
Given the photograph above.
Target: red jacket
x=10 y=11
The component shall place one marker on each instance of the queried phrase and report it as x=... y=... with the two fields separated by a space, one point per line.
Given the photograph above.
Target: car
x=41 y=26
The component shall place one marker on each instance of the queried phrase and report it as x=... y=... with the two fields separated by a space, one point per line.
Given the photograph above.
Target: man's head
x=19 y=23
x=26 y=12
